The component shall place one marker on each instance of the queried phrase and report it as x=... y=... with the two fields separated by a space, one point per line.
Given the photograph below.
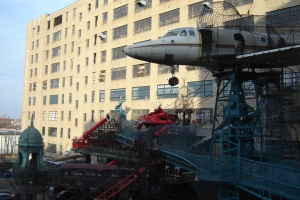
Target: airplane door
x=207 y=42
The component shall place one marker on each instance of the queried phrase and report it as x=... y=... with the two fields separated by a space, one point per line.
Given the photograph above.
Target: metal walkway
x=264 y=179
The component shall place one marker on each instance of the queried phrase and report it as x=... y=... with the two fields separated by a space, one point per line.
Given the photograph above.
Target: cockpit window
x=183 y=33
x=171 y=33
x=191 y=32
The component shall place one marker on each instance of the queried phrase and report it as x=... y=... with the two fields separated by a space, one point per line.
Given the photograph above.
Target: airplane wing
x=280 y=57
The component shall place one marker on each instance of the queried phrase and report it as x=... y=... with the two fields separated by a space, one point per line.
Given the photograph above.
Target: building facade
x=75 y=71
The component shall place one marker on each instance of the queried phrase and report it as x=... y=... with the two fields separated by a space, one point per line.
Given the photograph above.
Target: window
x=139 y=8
x=117 y=94
x=96 y=3
x=69 y=133
x=48 y=24
x=29 y=101
x=32 y=45
x=57 y=20
x=54 y=83
x=101 y=95
x=78 y=51
x=239 y=2
x=34 y=101
x=164 y=69
x=105 y=2
x=66 y=32
x=80 y=16
x=45 y=84
x=44 y=115
x=200 y=88
x=76 y=122
x=104 y=33
x=53 y=115
x=48 y=39
x=51 y=148
x=62 y=98
x=195 y=9
x=86 y=61
x=87 y=43
x=37 y=43
x=96 y=21
x=61 y=132
x=167 y=91
x=86 y=79
x=95 y=58
x=89 y=7
x=52 y=131
x=141 y=92
x=249 y=87
x=103 y=56
x=74 y=12
x=119 y=73
x=88 y=25
x=169 y=17
x=62 y=115
x=46 y=69
x=55 y=67
x=71 y=80
x=78 y=68
x=72 y=46
x=142 y=25
x=101 y=114
x=56 y=36
x=79 y=33
x=76 y=104
x=70 y=98
x=44 y=100
x=95 y=39
x=73 y=29
x=93 y=96
x=117 y=53
x=77 y=86
x=70 y=115
x=65 y=64
x=84 y=117
x=56 y=51
x=35 y=71
x=36 y=58
x=67 y=15
x=120 y=12
x=136 y=113
x=120 y=32
x=65 y=48
x=47 y=54
x=141 y=70
x=104 y=17
x=85 y=98
x=64 y=81
x=53 y=99
x=72 y=63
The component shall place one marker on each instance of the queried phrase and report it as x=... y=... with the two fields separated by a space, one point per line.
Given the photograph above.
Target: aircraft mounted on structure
x=218 y=48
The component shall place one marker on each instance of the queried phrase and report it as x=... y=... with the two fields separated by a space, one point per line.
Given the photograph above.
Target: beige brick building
x=75 y=71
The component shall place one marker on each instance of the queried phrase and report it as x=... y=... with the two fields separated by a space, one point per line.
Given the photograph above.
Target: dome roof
x=31 y=137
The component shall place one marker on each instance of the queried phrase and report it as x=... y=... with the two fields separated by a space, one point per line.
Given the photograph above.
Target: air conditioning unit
x=141 y=2
x=102 y=37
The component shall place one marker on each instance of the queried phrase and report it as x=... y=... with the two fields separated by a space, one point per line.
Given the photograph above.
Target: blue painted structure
x=236 y=158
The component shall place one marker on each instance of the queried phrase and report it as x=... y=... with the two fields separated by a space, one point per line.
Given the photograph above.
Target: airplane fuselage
x=189 y=46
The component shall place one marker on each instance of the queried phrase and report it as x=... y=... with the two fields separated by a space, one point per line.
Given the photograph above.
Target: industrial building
x=75 y=71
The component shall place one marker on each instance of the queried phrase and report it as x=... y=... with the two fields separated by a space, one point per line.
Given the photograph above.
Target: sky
x=14 y=16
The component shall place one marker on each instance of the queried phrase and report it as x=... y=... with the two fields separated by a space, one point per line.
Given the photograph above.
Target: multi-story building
x=75 y=71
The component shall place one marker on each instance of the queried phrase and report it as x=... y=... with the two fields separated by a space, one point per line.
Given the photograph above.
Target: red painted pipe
x=88 y=132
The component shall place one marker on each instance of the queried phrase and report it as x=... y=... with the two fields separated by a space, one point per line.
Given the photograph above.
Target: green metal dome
x=31 y=137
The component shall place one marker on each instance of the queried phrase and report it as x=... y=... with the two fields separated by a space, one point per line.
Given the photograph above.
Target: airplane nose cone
x=127 y=50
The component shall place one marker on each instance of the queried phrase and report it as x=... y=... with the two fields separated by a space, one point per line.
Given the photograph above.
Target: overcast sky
x=14 y=16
